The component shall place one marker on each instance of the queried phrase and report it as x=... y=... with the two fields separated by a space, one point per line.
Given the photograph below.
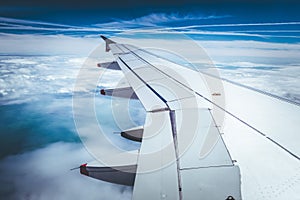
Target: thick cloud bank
x=45 y=174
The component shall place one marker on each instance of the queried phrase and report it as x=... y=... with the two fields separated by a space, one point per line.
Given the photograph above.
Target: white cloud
x=116 y=25
x=237 y=24
x=42 y=73
x=25 y=78
x=45 y=174
x=27 y=44
x=281 y=81
x=156 y=19
x=14 y=21
x=252 y=51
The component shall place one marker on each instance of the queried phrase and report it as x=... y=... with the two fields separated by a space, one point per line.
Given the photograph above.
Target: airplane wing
x=183 y=154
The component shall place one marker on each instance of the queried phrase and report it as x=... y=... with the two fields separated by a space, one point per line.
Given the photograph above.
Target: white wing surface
x=183 y=154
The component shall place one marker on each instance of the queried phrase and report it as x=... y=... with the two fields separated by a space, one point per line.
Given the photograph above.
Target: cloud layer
x=45 y=174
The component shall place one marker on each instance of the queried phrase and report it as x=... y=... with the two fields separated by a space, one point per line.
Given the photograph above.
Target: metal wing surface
x=183 y=154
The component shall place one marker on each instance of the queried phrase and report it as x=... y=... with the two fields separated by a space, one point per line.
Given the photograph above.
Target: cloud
x=20 y=25
x=16 y=44
x=45 y=174
x=237 y=24
x=232 y=29
x=25 y=78
x=271 y=31
x=281 y=81
x=160 y=18
x=56 y=74
x=157 y=19
x=117 y=25
x=253 y=51
x=49 y=30
x=32 y=22
x=222 y=33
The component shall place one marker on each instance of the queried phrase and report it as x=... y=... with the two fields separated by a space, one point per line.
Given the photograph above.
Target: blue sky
x=276 y=21
x=91 y=11
x=199 y=26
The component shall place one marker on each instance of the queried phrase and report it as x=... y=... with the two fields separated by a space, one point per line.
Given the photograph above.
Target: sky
x=92 y=11
x=45 y=44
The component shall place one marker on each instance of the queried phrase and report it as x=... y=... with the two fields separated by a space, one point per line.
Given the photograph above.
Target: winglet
x=107 y=42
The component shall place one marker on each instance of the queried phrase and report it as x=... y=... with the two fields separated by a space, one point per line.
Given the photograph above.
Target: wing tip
x=107 y=42
x=103 y=37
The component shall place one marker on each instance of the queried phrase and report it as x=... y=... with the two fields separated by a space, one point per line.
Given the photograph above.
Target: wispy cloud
x=237 y=24
x=271 y=31
x=22 y=21
x=77 y=29
x=222 y=33
x=157 y=19
x=234 y=33
x=31 y=25
x=117 y=25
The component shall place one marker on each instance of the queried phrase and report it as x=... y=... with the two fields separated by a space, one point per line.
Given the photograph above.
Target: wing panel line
x=175 y=141
x=232 y=82
x=159 y=96
x=173 y=125
x=242 y=121
x=250 y=126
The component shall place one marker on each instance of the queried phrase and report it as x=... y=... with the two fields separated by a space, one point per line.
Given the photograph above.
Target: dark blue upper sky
x=91 y=11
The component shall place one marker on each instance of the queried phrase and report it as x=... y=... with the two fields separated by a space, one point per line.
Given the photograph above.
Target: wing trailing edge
x=109 y=65
x=123 y=175
x=126 y=92
x=175 y=153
